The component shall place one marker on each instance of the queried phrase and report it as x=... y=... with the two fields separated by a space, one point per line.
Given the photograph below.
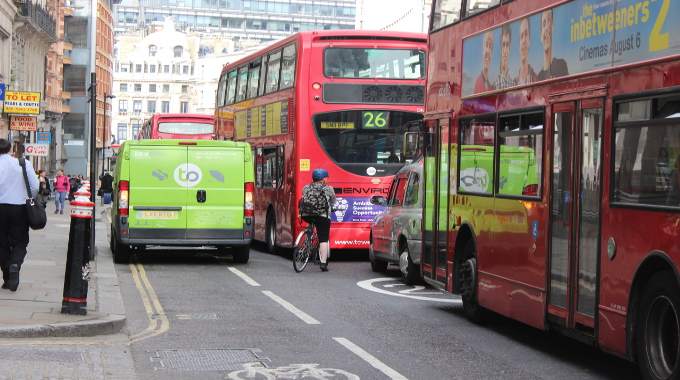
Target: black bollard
x=78 y=258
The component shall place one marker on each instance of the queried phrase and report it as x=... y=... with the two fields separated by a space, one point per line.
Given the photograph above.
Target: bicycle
x=306 y=247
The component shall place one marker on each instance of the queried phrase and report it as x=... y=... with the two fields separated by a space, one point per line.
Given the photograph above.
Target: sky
x=399 y=15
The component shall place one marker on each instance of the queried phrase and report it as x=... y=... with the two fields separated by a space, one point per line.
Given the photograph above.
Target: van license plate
x=156 y=214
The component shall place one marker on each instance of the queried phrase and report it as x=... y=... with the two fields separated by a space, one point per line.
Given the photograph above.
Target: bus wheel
x=658 y=330
x=468 y=274
x=271 y=233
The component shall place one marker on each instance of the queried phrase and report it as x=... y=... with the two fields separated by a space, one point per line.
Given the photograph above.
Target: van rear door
x=157 y=197
x=215 y=192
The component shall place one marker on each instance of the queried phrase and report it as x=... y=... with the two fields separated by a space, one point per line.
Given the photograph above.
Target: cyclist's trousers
x=323 y=226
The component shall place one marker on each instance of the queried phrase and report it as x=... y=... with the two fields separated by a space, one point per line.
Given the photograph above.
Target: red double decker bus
x=178 y=126
x=334 y=99
x=552 y=179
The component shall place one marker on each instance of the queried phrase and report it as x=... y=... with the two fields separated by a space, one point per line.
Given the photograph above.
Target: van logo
x=188 y=175
x=159 y=174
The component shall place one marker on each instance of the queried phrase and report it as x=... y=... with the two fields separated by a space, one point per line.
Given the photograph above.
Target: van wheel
x=241 y=254
x=468 y=274
x=121 y=252
x=658 y=331
x=271 y=233
x=410 y=271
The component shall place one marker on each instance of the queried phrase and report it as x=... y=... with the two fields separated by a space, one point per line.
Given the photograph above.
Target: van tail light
x=531 y=190
x=250 y=194
x=123 y=198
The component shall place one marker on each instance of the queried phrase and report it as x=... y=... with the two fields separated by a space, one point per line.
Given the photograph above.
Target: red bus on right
x=552 y=188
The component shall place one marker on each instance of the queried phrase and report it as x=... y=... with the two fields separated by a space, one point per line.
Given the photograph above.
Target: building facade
x=256 y=19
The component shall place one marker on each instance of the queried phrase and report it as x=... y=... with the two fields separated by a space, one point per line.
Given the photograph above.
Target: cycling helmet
x=318 y=174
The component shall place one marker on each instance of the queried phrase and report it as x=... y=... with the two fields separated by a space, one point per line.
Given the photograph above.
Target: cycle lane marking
x=244 y=276
x=288 y=306
x=408 y=293
x=370 y=359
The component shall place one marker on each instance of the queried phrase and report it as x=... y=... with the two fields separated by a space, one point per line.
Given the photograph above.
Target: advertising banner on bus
x=577 y=37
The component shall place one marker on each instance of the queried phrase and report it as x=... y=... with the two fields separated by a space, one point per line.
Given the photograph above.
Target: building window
x=74 y=79
x=185 y=70
x=152 y=50
x=165 y=106
x=151 y=106
x=152 y=88
x=137 y=106
x=166 y=88
x=178 y=51
x=123 y=87
x=138 y=87
x=122 y=105
x=122 y=132
x=135 y=131
x=166 y=69
x=138 y=68
x=152 y=69
x=185 y=88
x=123 y=68
x=184 y=107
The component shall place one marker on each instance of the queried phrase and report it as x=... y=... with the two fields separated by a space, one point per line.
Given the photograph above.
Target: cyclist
x=322 y=221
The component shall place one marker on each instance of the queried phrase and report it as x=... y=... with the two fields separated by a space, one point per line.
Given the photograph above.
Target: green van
x=183 y=193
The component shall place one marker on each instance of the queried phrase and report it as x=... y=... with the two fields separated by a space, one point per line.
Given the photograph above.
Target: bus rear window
x=374 y=63
x=185 y=128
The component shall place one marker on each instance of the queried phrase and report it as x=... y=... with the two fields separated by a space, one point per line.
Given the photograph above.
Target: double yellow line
x=158 y=320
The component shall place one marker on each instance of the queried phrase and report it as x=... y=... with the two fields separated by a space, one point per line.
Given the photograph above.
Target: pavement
x=34 y=310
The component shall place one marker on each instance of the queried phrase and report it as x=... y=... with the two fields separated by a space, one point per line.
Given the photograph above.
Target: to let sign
x=23 y=123
x=36 y=149
x=22 y=102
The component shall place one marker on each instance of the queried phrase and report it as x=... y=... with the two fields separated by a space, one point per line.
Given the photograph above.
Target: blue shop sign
x=43 y=138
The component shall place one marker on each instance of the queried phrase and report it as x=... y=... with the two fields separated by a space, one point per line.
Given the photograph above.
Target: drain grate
x=41 y=356
x=198 y=316
x=208 y=359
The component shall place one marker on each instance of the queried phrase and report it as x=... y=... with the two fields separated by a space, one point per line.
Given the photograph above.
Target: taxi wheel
x=410 y=271
x=376 y=264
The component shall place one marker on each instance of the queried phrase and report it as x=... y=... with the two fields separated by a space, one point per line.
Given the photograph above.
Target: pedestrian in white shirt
x=13 y=220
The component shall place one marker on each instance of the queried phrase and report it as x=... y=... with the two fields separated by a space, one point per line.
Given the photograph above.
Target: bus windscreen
x=364 y=136
x=374 y=63
x=186 y=128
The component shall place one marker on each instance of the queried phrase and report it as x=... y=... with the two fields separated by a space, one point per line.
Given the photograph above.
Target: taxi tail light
x=248 y=204
x=123 y=198
x=531 y=190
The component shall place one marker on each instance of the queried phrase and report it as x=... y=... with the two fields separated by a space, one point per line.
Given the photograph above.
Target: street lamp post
x=106 y=105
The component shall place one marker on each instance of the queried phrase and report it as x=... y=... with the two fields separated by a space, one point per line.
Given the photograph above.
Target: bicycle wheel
x=302 y=252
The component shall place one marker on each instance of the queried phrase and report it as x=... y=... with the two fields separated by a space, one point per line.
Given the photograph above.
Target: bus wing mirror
x=378 y=200
x=410 y=147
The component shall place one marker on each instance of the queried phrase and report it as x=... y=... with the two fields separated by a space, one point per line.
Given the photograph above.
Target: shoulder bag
x=35 y=212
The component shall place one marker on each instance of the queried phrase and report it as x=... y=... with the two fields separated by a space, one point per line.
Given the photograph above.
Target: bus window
x=476 y=6
x=242 y=84
x=445 y=12
x=269 y=167
x=263 y=77
x=374 y=63
x=288 y=67
x=222 y=91
x=253 y=78
x=231 y=88
x=521 y=154
x=647 y=152
x=477 y=154
x=273 y=72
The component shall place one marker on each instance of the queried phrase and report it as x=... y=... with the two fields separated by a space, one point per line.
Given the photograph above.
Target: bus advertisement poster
x=578 y=37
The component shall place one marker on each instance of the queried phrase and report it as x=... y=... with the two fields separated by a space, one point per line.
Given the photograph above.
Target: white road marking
x=368 y=285
x=370 y=359
x=299 y=313
x=244 y=276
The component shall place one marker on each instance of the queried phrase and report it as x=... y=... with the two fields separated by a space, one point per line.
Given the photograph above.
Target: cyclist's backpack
x=315 y=202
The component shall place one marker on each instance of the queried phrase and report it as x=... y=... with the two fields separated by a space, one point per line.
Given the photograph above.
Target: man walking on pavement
x=13 y=220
